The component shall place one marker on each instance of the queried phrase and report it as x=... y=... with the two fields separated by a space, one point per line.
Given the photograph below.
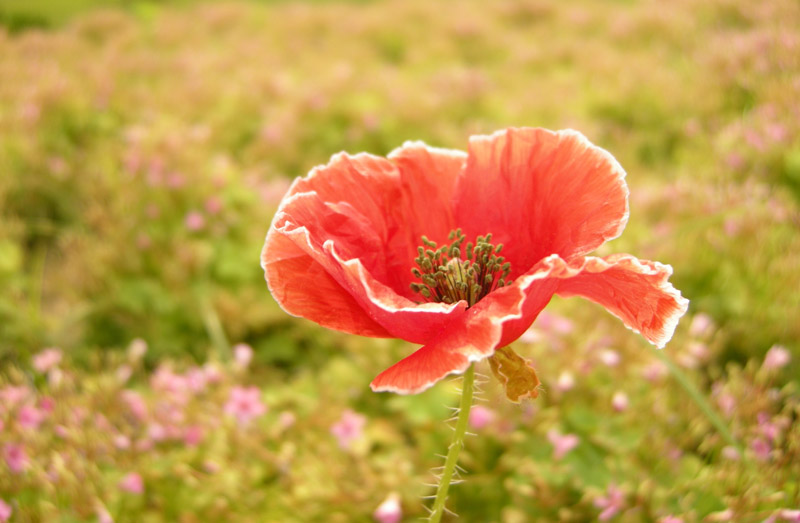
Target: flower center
x=448 y=277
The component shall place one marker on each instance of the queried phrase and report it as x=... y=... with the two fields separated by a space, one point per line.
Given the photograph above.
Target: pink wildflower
x=132 y=483
x=389 y=511
x=609 y=357
x=103 y=516
x=730 y=453
x=789 y=514
x=562 y=443
x=16 y=458
x=194 y=221
x=242 y=355
x=212 y=372
x=5 y=511
x=702 y=325
x=122 y=442
x=611 y=503
x=137 y=349
x=213 y=205
x=245 y=404
x=777 y=357
x=620 y=401
x=193 y=435
x=12 y=396
x=770 y=430
x=566 y=381
x=29 y=417
x=47 y=359
x=287 y=419
x=480 y=417
x=135 y=404
x=760 y=448
x=655 y=372
x=349 y=428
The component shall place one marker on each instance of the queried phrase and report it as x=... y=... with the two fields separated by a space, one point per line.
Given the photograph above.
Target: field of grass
x=147 y=375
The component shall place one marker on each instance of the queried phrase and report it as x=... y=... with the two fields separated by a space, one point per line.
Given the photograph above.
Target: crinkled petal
x=636 y=291
x=352 y=237
x=473 y=337
x=290 y=272
x=541 y=192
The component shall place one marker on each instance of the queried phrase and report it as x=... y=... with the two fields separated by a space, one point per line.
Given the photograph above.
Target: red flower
x=344 y=242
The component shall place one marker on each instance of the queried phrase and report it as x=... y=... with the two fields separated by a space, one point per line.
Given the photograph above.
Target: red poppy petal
x=341 y=241
x=428 y=178
x=636 y=291
x=541 y=192
x=419 y=371
x=302 y=287
x=472 y=337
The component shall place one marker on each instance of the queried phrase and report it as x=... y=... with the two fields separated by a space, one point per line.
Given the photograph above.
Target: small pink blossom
x=193 y=435
x=389 y=511
x=702 y=325
x=620 y=401
x=157 y=432
x=349 y=428
x=480 y=417
x=611 y=503
x=727 y=403
x=122 y=442
x=777 y=357
x=124 y=373
x=789 y=514
x=47 y=359
x=244 y=403
x=16 y=457
x=242 y=355
x=194 y=221
x=5 y=511
x=760 y=448
x=610 y=357
x=29 y=417
x=47 y=404
x=212 y=372
x=213 y=205
x=195 y=379
x=770 y=430
x=562 y=443
x=132 y=483
x=103 y=516
x=566 y=381
x=730 y=453
x=135 y=404
x=655 y=372
x=286 y=419
x=137 y=349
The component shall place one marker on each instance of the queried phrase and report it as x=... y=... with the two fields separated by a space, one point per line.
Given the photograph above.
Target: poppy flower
x=459 y=252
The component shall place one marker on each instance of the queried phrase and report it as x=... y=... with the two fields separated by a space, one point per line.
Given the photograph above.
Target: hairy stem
x=467 y=389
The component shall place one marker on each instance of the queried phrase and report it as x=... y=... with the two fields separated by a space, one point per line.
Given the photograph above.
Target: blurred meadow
x=147 y=375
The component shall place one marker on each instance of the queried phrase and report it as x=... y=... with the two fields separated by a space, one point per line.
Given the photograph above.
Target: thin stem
x=467 y=389
x=699 y=400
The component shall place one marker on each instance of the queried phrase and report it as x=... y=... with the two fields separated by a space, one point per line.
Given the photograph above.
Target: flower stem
x=699 y=400
x=467 y=389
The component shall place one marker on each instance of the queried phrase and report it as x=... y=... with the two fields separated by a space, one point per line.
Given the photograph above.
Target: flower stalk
x=467 y=391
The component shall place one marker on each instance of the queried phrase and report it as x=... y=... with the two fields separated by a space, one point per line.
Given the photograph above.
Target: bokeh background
x=147 y=375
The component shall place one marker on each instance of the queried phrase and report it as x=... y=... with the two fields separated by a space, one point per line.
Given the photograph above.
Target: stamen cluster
x=449 y=278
